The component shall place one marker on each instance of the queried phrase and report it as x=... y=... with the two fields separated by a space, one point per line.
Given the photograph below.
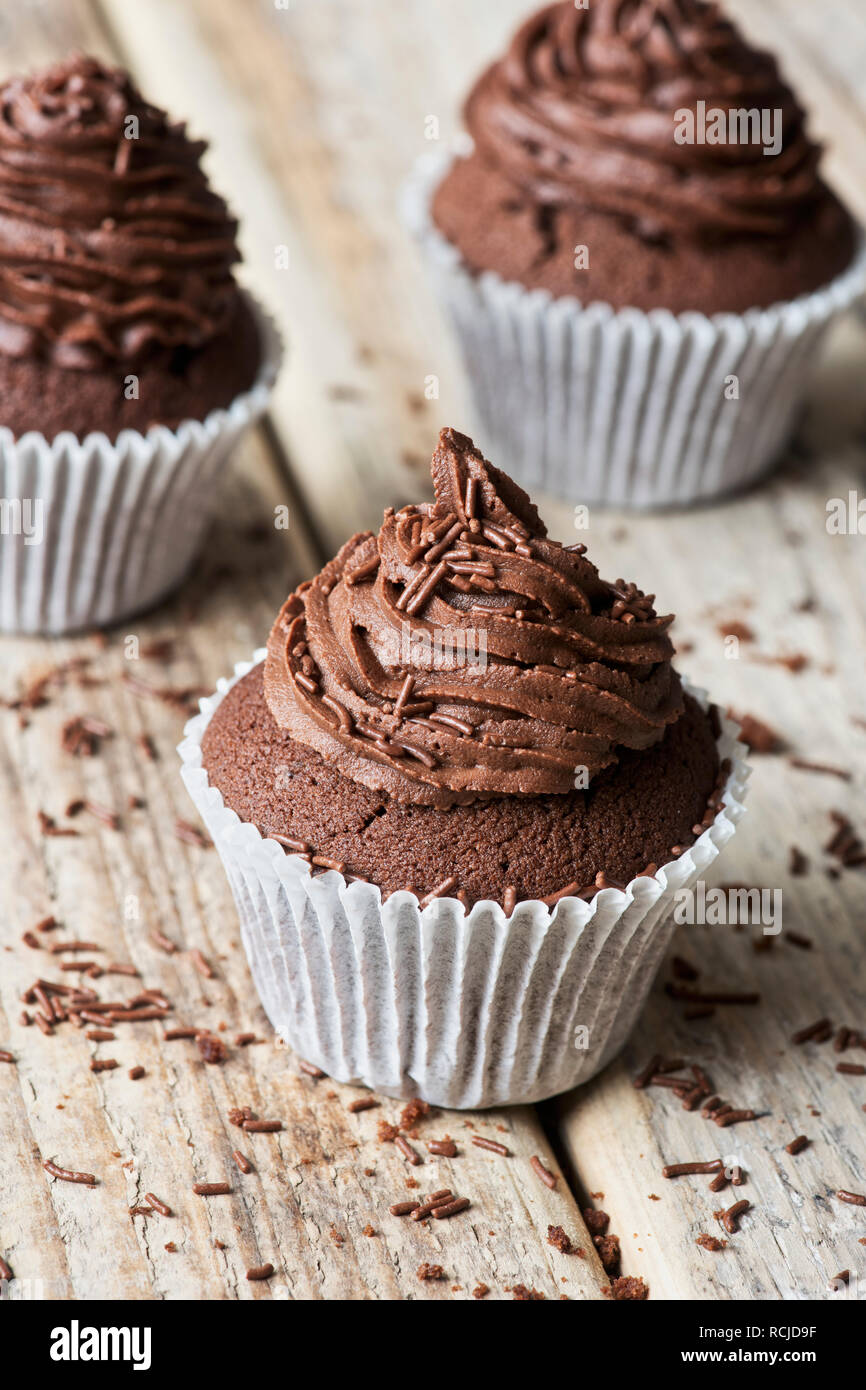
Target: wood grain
x=315 y=114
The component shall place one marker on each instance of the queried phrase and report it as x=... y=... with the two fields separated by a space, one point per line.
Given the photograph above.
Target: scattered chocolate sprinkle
x=492 y=1145
x=260 y=1272
x=191 y=835
x=6 y=1057
x=136 y=1073
x=147 y=747
x=364 y=1103
x=439 y=891
x=811 y=1032
x=202 y=964
x=49 y=827
x=103 y=1064
x=798 y=864
x=211 y=1189
x=756 y=735
x=843 y=1039
x=411 y=1155
x=851 y=1069
x=295 y=846
x=442 y=1213
x=101 y=813
x=242 y=1161
x=736 y=628
x=804 y=943
x=733 y=1117
x=443 y=1148
x=806 y=766
x=679 y=1170
x=548 y=1178
x=854 y=1199
x=5 y=1270
x=644 y=1077
x=157 y=1205
x=86 y=1179
x=731 y=1217
x=797 y=1145
x=437 y=1199
x=262 y=1126
x=403 y=1208
x=164 y=943
x=310 y=1069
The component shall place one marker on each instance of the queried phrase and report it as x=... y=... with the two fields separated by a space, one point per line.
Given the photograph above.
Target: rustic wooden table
x=316 y=111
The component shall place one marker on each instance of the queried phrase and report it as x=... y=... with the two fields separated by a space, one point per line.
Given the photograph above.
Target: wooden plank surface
x=315 y=116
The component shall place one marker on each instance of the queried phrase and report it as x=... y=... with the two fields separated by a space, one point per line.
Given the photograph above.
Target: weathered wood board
x=315 y=113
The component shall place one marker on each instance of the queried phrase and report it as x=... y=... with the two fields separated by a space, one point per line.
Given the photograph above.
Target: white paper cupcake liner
x=463 y=1009
x=122 y=521
x=624 y=408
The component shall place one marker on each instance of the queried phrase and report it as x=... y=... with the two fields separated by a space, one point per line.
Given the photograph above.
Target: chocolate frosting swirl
x=461 y=653
x=109 y=246
x=581 y=111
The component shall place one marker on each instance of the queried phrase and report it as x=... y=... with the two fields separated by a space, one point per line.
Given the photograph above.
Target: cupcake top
x=581 y=110
x=112 y=243
x=641 y=153
x=461 y=653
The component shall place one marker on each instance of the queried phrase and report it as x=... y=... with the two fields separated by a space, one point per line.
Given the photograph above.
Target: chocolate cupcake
x=464 y=783
x=639 y=224
x=130 y=360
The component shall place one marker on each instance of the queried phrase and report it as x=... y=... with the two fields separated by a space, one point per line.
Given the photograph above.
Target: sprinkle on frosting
x=581 y=111
x=462 y=653
x=111 y=240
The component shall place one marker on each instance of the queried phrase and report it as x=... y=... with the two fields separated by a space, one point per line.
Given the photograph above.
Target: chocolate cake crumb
x=597 y=1222
x=415 y=1110
x=428 y=1271
x=481 y=1291
x=609 y=1252
x=213 y=1050
x=557 y=1237
x=626 y=1289
x=521 y=1294
x=711 y=1242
